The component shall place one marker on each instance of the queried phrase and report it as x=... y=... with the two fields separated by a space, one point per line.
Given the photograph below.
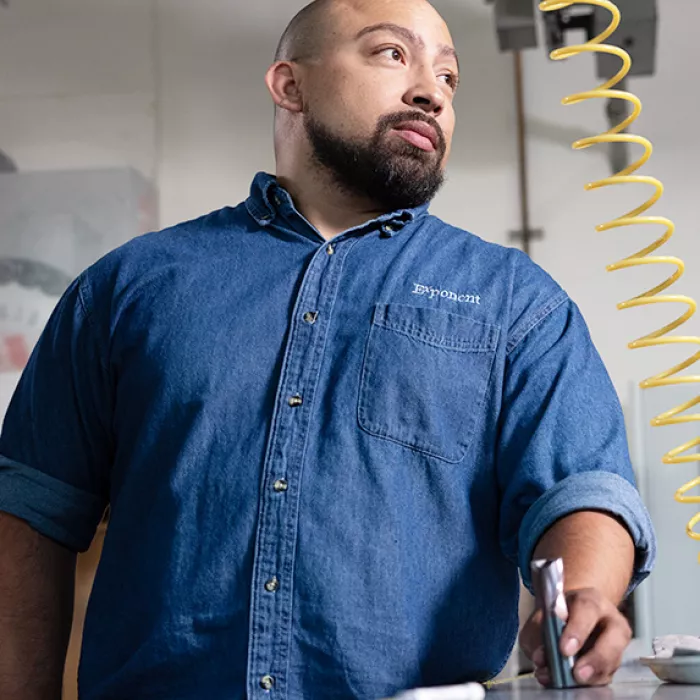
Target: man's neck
x=329 y=210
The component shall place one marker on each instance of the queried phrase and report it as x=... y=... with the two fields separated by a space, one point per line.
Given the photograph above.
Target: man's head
x=364 y=89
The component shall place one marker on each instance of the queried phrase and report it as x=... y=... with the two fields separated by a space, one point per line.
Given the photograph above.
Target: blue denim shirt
x=325 y=461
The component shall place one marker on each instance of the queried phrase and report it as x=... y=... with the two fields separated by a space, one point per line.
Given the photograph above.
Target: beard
x=390 y=172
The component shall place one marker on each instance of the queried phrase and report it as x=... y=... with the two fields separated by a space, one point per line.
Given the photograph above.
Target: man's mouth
x=419 y=134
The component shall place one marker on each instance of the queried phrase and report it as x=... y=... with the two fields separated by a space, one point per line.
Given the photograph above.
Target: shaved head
x=303 y=37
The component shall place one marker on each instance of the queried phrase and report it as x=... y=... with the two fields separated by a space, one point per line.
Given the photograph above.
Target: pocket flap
x=437 y=327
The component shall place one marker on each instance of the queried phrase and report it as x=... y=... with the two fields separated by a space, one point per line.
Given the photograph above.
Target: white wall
x=76 y=84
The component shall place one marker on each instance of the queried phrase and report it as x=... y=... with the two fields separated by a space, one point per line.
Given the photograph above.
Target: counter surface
x=634 y=683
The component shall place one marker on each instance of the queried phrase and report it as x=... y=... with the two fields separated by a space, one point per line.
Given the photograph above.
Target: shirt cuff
x=55 y=509
x=597 y=491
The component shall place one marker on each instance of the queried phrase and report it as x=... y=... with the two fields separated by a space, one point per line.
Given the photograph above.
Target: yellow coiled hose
x=644 y=256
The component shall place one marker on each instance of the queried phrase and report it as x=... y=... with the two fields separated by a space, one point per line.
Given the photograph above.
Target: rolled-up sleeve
x=56 y=446
x=563 y=445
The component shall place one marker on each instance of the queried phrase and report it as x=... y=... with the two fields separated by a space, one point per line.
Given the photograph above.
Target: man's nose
x=426 y=95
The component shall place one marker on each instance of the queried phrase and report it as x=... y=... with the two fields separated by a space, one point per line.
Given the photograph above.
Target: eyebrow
x=409 y=36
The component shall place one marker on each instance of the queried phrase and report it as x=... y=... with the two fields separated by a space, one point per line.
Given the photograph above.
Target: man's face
x=379 y=102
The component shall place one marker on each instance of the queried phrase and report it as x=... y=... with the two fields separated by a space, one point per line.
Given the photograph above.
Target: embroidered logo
x=435 y=293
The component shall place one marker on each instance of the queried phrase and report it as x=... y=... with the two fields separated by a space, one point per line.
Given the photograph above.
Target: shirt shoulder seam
x=534 y=320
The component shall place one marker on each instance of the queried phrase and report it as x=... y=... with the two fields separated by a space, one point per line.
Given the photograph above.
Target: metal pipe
x=525 y=235
x=522 y=153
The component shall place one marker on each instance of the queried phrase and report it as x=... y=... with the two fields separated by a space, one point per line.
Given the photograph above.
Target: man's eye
x=451 y=79
x=394 y=53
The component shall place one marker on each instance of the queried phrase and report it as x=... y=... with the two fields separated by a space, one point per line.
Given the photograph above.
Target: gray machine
x=516 y=26
x=517 y=29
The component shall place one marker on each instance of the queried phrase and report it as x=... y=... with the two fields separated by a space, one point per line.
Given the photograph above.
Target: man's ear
x=282 y=82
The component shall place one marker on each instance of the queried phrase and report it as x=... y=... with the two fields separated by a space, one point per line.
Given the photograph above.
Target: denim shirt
x=326 y=462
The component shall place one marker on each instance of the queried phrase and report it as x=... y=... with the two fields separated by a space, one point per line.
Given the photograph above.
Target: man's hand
x=596 y=631
x=598 y=555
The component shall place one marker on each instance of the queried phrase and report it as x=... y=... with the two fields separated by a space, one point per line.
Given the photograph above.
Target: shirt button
x=388 y=228
x=295 y=401
x=310 y=317
x=267 y=682
x=272 y=585
x=280 y=486
x=330 y=250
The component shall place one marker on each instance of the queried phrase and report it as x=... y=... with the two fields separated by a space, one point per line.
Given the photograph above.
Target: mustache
x=391 y=121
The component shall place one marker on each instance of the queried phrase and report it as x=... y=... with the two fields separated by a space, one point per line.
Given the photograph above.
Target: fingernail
x=585 y=673
x=571 y=646
x=538 y=657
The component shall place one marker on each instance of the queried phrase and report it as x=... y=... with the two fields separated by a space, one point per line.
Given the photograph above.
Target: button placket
x=270 y=601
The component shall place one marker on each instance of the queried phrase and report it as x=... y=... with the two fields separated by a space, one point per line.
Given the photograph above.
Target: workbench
x=631 y=683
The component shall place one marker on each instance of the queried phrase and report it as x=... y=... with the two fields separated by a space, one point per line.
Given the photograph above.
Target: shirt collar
x=268 y=199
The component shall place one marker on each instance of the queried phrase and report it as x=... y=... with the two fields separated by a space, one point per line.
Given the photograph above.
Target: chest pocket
x=424 y=378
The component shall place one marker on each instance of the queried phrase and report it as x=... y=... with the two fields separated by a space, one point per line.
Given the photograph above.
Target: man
x=329 y=425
